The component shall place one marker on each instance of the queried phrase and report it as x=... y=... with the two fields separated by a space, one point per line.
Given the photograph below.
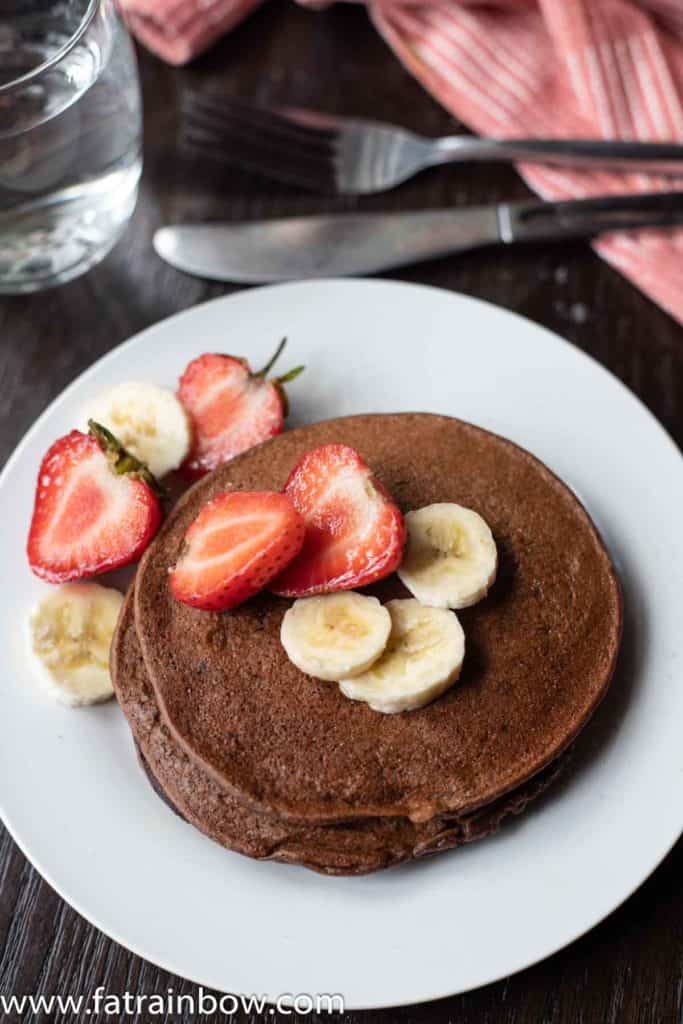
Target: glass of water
x=70 y=138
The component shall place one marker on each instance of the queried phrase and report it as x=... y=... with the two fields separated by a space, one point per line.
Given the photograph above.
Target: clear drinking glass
x=70 y=138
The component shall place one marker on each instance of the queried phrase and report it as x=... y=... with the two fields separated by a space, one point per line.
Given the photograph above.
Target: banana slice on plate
x=450 y=560
x=149 y=421
x=422 y=659
x=70 y=635
x=335 y=636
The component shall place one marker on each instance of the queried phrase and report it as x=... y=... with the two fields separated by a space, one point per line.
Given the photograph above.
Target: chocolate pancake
x=350 y=848
x=540 y=649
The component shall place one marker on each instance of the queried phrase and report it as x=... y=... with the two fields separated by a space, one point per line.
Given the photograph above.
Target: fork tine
x=255 y=166
x=259 y=119
x=281 y=118
x=271 y=154
x=262 y=155
x=260 y=160
x=266 y=143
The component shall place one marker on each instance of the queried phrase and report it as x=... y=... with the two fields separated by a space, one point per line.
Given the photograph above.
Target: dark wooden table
x=630 y=968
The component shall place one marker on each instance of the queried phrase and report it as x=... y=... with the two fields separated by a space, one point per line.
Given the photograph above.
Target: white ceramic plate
x=74 y=798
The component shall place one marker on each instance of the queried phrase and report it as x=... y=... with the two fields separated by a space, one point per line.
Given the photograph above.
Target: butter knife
x=368 y=243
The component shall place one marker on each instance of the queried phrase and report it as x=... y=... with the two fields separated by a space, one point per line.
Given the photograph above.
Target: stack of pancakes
x=274 y=764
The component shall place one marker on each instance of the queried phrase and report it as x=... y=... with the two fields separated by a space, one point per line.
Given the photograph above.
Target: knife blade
x=366 y=243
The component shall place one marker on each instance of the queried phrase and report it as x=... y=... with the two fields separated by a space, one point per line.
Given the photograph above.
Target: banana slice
x=450 y=559
x=70 y=636
x=422 y=659
x=149 y=422
x=336 y=636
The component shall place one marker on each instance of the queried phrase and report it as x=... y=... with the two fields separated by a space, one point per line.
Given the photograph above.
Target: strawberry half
x=239 y=541
x=355 y=533
x=231 y=408
x=96 y=508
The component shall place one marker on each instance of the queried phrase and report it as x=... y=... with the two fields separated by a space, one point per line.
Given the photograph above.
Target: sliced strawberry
x=354 y=532
x=230 y=407
x=239 y=541
x=95 y=508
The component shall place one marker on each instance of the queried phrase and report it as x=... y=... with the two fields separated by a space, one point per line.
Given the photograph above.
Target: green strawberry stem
x=284 y=379
x=290 y=375
x=272 y=361
x=121 y=462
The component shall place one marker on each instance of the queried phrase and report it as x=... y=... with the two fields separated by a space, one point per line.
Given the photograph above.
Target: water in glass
x=70 y=138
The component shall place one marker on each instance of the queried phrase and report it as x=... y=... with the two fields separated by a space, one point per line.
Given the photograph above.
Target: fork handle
x=655 y=157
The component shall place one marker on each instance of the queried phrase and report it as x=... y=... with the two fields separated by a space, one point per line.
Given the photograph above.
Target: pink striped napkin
x=591 y=68
x=179 y=30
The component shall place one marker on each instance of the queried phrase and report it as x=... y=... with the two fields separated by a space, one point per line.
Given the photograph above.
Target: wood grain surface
x=629 y=970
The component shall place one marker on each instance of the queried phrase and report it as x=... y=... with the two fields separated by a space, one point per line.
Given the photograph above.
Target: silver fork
x=351 y=156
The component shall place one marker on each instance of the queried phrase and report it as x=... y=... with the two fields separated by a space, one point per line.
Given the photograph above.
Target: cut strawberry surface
x=231 y=408
x=354 y=532
x=93 y=511
x=239 y=541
